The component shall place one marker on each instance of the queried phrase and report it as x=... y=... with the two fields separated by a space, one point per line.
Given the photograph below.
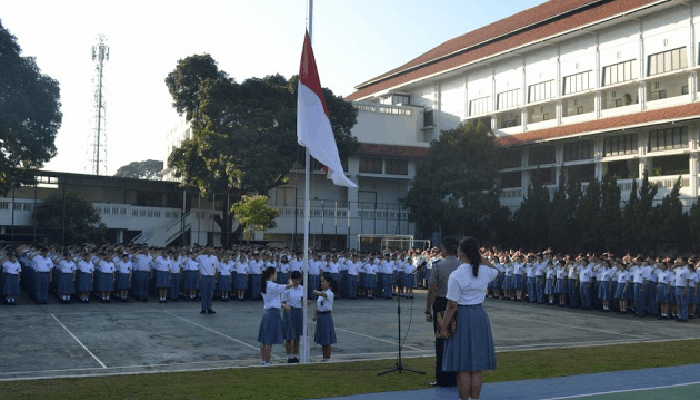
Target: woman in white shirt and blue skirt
x=293 y=317
x=470 y=350
x=325 y=331
x=271 y=325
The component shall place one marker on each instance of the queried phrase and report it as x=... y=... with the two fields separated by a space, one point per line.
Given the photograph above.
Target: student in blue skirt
x=66 y=273
x=241 y=283
x=325 y=331
x=106 y=282
x=124 y=268
x=10 y=288
x=271 y=325
x=293 y=318
x=662 y=289
x=470 y=350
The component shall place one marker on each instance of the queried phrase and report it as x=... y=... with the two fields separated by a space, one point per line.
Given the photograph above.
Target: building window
x=370 y=165
x=286 y=197
x=4 y=205
x=539 y=91
x=399 y=99
x=427 y=118
x=508 y=99
x=115 y=210
x=510 y=120
x=26 y=207
x=150 y=214
x=576 y=83
x=479 y=106
x=396 y=167
x=511 y=180
x=142 y=213
x=547 y=175
x=669 y=138
x=544 y=154
x=123 y=211
x=624 y=71
x=582 y=150
x=134 y=213
x=106 y=210
x=620 y=145
x=17 y=206
x=666 y=61
x=511 y=158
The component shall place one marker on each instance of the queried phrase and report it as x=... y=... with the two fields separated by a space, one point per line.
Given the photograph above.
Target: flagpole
x=307 y=211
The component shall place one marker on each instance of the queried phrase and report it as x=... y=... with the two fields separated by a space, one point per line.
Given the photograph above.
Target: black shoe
x=203 y=312
x=211 y=312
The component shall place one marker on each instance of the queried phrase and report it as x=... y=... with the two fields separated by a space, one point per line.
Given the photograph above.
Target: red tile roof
x=500 y=36
x=689 y=110
x=386 y=150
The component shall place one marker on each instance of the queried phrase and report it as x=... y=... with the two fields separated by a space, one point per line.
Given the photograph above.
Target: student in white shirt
x=106 y=281
x=270 y=331
x=325 y=331
x=66 y=275
x=370 y=278
x=84 y=280
x=124 y=268
x=224 y=283
x=694 y=284
x=11 y=270
x=241 y=284
x=293 y=317
x=662 y=289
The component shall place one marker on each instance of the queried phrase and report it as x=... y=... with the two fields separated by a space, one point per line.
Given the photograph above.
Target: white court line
x=575 y=327
x=217 y=332
x=376 y=338
x=624 y=391
x=79 y=342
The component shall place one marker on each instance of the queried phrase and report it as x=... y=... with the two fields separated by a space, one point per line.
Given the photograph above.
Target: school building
x=569 y=87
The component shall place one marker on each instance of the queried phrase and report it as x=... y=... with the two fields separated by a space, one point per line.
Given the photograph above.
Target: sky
x=353 y=41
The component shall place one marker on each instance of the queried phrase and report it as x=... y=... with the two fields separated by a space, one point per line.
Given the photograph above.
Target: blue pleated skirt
x=224 y=283
x=162 y=279
x=662 y=293
x=371 y=281
x=549 y=287
x=672 y=295
x=517 y=283
x=241 y=282
x=293 y=324
x=325 y=331
x=605 y=293
x=105 y=283
x=65 y=283
x=191 y=280
x=471 y=348
x=362 y=278
x=10 y=285
x=282 y=278
x=407 y=280
x=123 y=281
x=271 y=327
x=507 y=283
x=83 y=282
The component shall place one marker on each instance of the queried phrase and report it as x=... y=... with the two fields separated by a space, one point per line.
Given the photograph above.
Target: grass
x=344 y=379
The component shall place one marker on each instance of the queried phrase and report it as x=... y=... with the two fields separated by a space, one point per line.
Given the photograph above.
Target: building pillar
x=693 y=182
x=120 y=236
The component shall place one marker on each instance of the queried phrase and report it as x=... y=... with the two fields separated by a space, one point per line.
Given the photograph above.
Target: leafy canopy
x=29 y=113
x=253 y=212
x=149 y=169
x=82 y=221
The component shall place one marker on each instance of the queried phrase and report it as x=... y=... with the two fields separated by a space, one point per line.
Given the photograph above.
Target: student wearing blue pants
x=208 y=265
x=682 y=289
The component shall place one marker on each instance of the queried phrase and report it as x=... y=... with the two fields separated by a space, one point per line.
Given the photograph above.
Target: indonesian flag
x=313 y=126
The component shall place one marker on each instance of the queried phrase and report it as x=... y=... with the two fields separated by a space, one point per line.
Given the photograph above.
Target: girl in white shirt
x=241 y=284
x=293 y=318
x=84 y=281
x=106 y=282
x=370 y=277
x=624 y=289
x=11 y=270
x=66 y=285
x=325 y=331
x=662 y=289
x=124 y=268
x=271 y=325
x=224 y=282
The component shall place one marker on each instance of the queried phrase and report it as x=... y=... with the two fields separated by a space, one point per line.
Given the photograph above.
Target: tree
x=610 y=216
x=645 y=219
x=587 y=216
x=673 y=227
x=455 y=188
x=694 y=226
x=29 y=113
x=628 y=220
x=533 y=216
x=558 y=217
x=253 y=212
x=244 y=135
x=82 y=222
x=149 y=169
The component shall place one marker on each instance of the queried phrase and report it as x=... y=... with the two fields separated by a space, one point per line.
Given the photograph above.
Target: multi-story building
x=569 y=87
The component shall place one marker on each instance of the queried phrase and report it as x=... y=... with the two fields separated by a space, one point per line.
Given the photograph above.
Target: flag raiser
x=313 y=124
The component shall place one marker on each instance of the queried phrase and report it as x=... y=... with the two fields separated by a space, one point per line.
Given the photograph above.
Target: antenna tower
x=98 y=159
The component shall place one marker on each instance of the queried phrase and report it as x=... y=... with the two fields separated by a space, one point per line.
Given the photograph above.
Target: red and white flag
x=313 y=126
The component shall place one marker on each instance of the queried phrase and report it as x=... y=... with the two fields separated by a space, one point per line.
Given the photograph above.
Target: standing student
x=241 y=284
x=694 y=284
x=639 y=280
x=409 y=271
x=224 y=283
x=662 y=289
x=208 y=266
x=84 y=278
x=470 y=350
x=162 y=271
x=370 y=277
x=175 y=276
x=66 y=275
x=190 y=273
x=106 y=281
x=270 y=331
x=353 y=268
x=255 y=270
x=550 y=275
x=325 y=331
x=585 y=284
x=141 y=274
x=682 y=289
x=530 y=270
x=283 y=269
x=11 y=270
x=124 y=271
x=385 y=273
x=605 y=274
x=623 y=291
x=517 y=282
x=42 y=266
x=293 y=318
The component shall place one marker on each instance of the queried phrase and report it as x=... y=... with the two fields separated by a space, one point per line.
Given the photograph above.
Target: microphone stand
x=399 y=363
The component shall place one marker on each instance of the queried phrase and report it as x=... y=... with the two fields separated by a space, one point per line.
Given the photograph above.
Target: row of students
x=643 y=285
x=287 y=299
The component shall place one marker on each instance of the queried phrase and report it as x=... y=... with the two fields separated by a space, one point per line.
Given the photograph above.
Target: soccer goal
x=389 y=243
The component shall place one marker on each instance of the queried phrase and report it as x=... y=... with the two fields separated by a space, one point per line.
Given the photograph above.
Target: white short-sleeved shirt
x=10 y=267
x=466 y=289
x=66 y=266
x=241 y=267
x=272 y=298
x=325 y=303
x=293 y=296
x=124 y=267
x=663 y=276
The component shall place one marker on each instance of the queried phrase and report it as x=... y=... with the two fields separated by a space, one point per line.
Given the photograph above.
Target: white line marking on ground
x=376 y=338
x=217 y=332
x=79 y=342
x=624 y=391
x=572 y=326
